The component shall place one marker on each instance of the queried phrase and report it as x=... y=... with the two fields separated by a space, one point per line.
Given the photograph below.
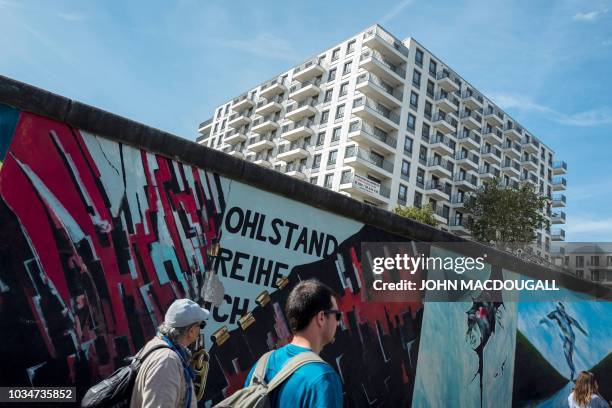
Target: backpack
x=257 y=393
x=116 y=390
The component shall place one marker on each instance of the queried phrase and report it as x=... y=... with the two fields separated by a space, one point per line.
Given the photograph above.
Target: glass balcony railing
x=376 y=107
x=373 y=132
x=363 y=154
x=367 y=53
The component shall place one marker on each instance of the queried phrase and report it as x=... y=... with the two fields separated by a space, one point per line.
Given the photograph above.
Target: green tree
x=505 y=217
x=424 y=214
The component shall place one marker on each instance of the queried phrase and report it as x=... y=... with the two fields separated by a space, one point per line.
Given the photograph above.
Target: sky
x=168 y=64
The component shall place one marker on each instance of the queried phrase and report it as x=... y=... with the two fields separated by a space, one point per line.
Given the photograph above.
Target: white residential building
x=388 y=123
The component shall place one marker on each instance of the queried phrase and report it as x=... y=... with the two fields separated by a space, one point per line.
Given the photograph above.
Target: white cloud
x=590 y=16
x=593 y=117
x=264 y=45
x=72 y=17
x=586 y=225
x=395 y=11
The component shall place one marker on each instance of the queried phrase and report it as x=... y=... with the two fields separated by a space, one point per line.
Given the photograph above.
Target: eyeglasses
x=334 y=312
x=202 y=325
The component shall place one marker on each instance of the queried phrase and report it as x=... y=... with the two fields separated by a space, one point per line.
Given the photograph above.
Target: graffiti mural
x=98 y=238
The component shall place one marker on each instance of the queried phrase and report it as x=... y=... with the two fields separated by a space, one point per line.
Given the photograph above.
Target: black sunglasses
x=334 y=312
x=202 y=325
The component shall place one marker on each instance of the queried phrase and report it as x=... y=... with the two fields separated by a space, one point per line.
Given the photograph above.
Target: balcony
x=512 y=150
x=364 y=160
x=237 y=120
x=557 y=217
x=297 y=130
x=459 y=200
x=488 y=172
x=466 y=180
x=308 y=70
x=511 y=168
x=205 y=127
x=381 y=41
x=467 y=160
x=458 y=225
x=296 y=170
x=265 y=124
x=530 y=178
x=493 y=135
x=440 y=167
x=372 y=86
x=558 y=200
x=441 y=215
x=241 y=103
x=300 y=110
x=559 y=184
x=513 y=133
x=367 y=135
x=293 y=151
x=305 y=90
x=445 y=81
x=444 y=122
x=471 y=100
x=471 y=119
x=530 y=163
x=438 y=190
x=557 y=235
x=490 y=154
x=440 y=144
x=272 y=88
x=261 y=142
x=447 y=102
x=269 y=106
x=262 y=159
x=373 y=61
x=530 y=145
x=361 y=187
x=559 y=168
x=494 y=118
x=235 y=136
x=470 y=140
x=373 y=112
x=234 y=151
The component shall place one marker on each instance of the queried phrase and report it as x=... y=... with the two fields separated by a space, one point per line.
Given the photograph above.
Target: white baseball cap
x=185 y=312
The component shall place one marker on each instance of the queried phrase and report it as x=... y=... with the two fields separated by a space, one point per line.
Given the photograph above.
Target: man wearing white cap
x=165 y=378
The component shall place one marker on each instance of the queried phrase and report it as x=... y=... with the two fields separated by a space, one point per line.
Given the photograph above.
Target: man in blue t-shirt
x=313 y=315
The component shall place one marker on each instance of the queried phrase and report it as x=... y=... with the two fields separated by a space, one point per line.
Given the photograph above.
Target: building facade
x=587 y=260
x=386 y=122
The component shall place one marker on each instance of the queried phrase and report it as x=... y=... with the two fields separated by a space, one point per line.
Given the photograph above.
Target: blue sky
x=169 y=63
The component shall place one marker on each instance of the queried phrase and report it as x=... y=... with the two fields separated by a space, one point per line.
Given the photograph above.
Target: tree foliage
x=506 y=217
x=424 y=215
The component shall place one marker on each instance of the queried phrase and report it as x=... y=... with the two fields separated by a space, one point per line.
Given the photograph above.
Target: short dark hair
x=306 y=299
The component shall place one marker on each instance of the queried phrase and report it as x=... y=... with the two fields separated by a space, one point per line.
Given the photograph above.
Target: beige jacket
x=160 y=382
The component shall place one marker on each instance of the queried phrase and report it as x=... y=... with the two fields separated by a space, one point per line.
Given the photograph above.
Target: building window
x=580 y=261
x=335 y=54
x=350 y=47
x=430 y=88
x=420 y=181
x=425 y=131
x=418 y=199
x=313 y=180
x=331 y=159
x=328 y=95
x=428 y=110
x=402 y=193
x=316 y=161
x=414 y=100
x=328 y=180
x=321 y=139
x=324 y=116
x=344 y=89
x=336 y=134
x=405 y=169
x=594 y=260
x=411 y=122
x=433 y=67
x=345 y=177
x=416 y=78
x=347 y=68
x=418 y=58
x=332 y=74
x=408 y=145
x=340 y=111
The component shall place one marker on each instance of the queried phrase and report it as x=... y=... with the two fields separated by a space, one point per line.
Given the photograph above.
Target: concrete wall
x=106 y=221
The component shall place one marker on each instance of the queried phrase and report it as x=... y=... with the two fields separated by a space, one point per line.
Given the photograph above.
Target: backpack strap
x=142 y=357
x=292 y=365
x=259 y=374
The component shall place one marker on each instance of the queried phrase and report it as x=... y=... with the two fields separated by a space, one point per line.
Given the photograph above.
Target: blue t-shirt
x=312 y=385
